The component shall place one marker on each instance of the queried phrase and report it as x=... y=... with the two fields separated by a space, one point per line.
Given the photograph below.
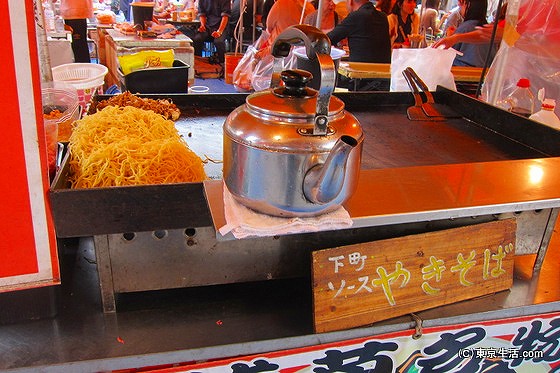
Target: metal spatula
x=430 y=107
x=415 y=112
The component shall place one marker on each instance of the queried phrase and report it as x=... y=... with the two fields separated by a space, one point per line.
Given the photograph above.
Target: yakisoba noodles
x=128 y=146
x=160 y=106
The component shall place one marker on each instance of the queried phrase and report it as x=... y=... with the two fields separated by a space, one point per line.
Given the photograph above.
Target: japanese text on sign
x=359 y=284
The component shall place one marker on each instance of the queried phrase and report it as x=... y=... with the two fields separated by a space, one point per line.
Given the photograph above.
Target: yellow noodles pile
x=128 y=146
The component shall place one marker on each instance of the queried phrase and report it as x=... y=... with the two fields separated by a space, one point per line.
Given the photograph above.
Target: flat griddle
x=483 y=134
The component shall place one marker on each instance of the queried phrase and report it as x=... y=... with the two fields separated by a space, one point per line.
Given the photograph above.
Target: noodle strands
x=120 y=146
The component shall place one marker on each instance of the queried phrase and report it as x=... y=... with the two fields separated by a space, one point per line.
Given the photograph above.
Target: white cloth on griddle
x=243 y=222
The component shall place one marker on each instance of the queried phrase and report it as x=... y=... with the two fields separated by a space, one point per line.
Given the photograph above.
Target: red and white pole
x=28 y=255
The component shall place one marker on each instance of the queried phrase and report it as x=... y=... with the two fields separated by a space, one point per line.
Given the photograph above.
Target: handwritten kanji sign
x=360 y=284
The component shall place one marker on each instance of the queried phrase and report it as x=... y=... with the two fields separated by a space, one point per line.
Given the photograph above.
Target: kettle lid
x=292 y=100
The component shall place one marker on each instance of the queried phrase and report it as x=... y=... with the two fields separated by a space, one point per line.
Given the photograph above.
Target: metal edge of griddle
x=485 y=177
x=352 y=100
x=366 y=210
x=526 y=132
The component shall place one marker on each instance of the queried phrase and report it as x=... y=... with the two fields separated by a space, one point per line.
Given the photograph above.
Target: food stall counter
x=402 y=190
x=118 y=44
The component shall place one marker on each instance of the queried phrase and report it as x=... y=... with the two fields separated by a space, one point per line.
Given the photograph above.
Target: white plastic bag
x=530 y=49
x=252 y=74
x=262 y=74
x=243 y=73
x=431 y=64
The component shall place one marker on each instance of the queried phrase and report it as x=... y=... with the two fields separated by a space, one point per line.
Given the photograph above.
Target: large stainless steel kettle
x=291 y=150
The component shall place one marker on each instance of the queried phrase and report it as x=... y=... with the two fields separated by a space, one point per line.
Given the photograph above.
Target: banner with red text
x=524 y=344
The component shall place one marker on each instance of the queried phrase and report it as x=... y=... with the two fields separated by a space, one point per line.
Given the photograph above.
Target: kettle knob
x=295 y=84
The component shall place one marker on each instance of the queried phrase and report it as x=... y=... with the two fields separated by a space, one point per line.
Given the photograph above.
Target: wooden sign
x=360 y=284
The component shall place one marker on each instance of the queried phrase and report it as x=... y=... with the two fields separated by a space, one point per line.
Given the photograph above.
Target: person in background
x=214 y=16
x=473 y=55
x=125 y=9
x=341 y=9
x=403 y=21
x=385 y=6
x=75 y=14
x=453 y=19
x=248 y=20
x=481 y=35
x=367 y=31
x=267 y=5
x=283 y=14
x=430 y=17
x=114 y=6
x=329 y=19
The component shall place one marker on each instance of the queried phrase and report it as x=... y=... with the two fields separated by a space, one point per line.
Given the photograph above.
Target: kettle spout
x=323 y=182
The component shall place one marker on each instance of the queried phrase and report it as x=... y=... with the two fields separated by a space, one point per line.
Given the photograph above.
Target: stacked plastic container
x=62 y=99
x=87 y=78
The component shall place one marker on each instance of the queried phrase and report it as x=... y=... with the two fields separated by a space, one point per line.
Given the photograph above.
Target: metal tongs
x=429 y=110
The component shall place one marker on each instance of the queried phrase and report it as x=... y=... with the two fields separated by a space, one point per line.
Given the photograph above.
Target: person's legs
x=79 y=39
x=125 y=8
x=198 y=42
x=220 y=44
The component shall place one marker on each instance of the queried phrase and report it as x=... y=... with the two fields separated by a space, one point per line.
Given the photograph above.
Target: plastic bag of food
x=262 y=73
x=146 y=59
x=433 y=65
x=106 y=17
x=530 y=49
x=243 y=73
x=252 y=74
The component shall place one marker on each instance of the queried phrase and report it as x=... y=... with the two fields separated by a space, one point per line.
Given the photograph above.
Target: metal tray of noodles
x=482 y=133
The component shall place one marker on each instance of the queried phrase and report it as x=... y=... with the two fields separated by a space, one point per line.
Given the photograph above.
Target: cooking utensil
x=415 y=112
x=292 y=150
x=430 y=107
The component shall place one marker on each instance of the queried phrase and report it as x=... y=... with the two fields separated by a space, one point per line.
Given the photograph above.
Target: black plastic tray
x=159 y=80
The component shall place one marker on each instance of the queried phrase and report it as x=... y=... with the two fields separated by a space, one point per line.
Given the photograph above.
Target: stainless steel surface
x=388 y=196
x=429 y=193
x=272 y=182
x=533 y=230
x=203 y=134
x=190 y=257
x=414 y=178
x=282 y=124
x=175 y=326
x=545 y=240
x=275 y=144
x=235 y=318
x=323 y=183
x=182 y=258
x=105 y=273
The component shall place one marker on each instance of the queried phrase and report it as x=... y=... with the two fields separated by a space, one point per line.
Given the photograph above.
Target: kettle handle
x=317 y=46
